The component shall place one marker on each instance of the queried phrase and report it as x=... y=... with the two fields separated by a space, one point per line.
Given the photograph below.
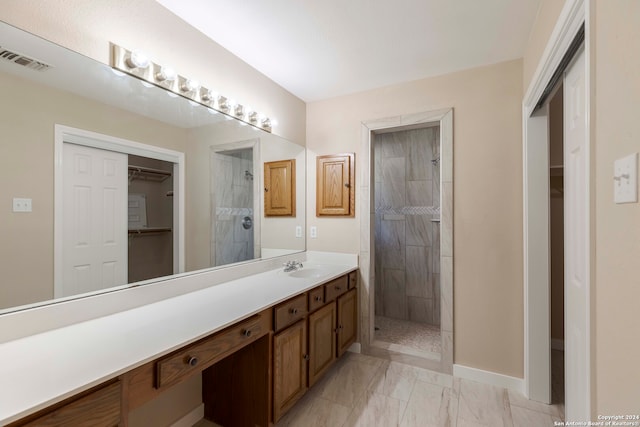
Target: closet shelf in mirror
x=147 y=174
x=149 y=230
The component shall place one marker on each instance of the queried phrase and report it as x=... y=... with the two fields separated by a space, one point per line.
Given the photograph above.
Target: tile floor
x=366 y=391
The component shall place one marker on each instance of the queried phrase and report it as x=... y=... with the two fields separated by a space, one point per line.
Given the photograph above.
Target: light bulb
x=166 y=74
x=138 y=60
x=190 y=85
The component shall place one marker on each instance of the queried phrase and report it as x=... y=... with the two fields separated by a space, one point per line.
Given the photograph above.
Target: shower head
x=436 y=161
x=248 y=175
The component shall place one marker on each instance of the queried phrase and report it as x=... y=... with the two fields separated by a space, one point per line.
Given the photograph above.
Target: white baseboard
x=356 y=347
x=191 y=418
x=488 y=377
x=557 y=344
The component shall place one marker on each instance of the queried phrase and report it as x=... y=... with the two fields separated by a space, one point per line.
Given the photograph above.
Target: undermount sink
x=307 y=273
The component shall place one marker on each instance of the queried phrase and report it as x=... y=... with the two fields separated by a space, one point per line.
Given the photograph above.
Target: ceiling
x=327 y=48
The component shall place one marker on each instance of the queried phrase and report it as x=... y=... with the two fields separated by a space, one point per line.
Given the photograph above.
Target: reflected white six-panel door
x=94 y=240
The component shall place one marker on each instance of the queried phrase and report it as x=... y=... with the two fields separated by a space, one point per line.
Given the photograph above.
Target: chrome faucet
x=292 y=266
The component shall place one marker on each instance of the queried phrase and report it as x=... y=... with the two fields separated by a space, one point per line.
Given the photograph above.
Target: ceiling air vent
x=25 y=61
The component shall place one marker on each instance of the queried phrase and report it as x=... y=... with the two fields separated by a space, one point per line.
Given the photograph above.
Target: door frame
x=66 y=134
x=444 y=119
x=537 y=377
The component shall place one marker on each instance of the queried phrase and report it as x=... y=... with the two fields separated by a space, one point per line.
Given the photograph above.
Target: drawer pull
x=319 y=299
x=338 y=288
x=294 y=311
x=247 y=333
x=306 y=357
x=192 y=361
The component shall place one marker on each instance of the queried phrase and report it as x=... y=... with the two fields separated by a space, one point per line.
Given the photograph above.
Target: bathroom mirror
x=45 y=86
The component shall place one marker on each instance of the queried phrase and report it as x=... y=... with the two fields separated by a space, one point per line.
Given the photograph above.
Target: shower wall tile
x=395 y=300
x=419 y=154
x=393 y=182
x=419 y=230
x=418 y=275
x=420 y=309
x=393 y=145
x=419 y=193
x=393 y=240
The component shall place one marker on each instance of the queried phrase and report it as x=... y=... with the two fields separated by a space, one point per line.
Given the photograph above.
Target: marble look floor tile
x=484 y=404
x=375 y=410
x=349 y=382
x=523 y=417
x=430 y=405
x=315 y=412
x=433 y=377
x=519 y=400
x=394 y=380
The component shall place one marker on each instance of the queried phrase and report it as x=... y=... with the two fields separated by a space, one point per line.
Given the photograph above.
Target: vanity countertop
x=39 y=370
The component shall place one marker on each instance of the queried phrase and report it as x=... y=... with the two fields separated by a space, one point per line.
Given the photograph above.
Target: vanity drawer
x=98 y=407
x=204 y=353
x=316 y=298
x=335 y=288
x=353 y=279
x=290 y=312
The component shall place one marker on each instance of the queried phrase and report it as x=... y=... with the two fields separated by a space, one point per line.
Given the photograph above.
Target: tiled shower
x=407 y=225
x=233 y=223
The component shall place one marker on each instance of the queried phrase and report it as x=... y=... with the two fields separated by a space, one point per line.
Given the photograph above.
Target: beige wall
x=617 y=227
x=27 y=169
x=546 y=19
x=487 y=146
x=89 y=26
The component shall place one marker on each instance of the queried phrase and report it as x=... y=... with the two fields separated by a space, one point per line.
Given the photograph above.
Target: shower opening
x=233 y=225
x=407 y=241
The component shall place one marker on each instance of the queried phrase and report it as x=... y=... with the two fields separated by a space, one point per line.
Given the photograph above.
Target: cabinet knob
x=318 y=298
x=192 y=361
x=294 y=311
x=347 y=185
x=266 y=189
x=338 y=288
x=305 y=357
x=247 y=333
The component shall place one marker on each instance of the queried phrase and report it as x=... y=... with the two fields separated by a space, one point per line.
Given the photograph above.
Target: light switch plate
x=625 y=179
x=21 y=204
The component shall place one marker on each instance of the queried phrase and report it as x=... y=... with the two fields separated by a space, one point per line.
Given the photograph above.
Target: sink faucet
x=292 y=266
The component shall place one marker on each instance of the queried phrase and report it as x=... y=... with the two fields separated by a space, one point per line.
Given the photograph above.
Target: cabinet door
x=347 y=320
x=280 y=188
x=335 y=185
x=322 y=342
x=289 y=367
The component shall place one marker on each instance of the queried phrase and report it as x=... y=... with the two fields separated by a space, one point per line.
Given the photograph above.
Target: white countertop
x=39 y=370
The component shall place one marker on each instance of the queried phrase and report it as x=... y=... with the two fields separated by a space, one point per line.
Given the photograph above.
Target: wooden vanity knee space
x=253 y=371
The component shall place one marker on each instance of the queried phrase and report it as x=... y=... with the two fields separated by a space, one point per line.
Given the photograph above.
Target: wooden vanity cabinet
x=289 y=367
x=347 y=315
x=100 y=406
x=322 y=341
x=335 y=185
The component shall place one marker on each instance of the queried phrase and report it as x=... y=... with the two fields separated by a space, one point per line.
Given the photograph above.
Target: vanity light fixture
x=138 y=64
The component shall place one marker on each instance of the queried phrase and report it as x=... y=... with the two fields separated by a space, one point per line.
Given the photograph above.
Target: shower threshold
x=411 y=338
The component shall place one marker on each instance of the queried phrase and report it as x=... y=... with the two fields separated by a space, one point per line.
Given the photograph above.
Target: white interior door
x=576 y=208
x=94 y=235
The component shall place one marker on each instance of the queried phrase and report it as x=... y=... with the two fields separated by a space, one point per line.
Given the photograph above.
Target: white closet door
x=95 y=188
x=576 y=226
